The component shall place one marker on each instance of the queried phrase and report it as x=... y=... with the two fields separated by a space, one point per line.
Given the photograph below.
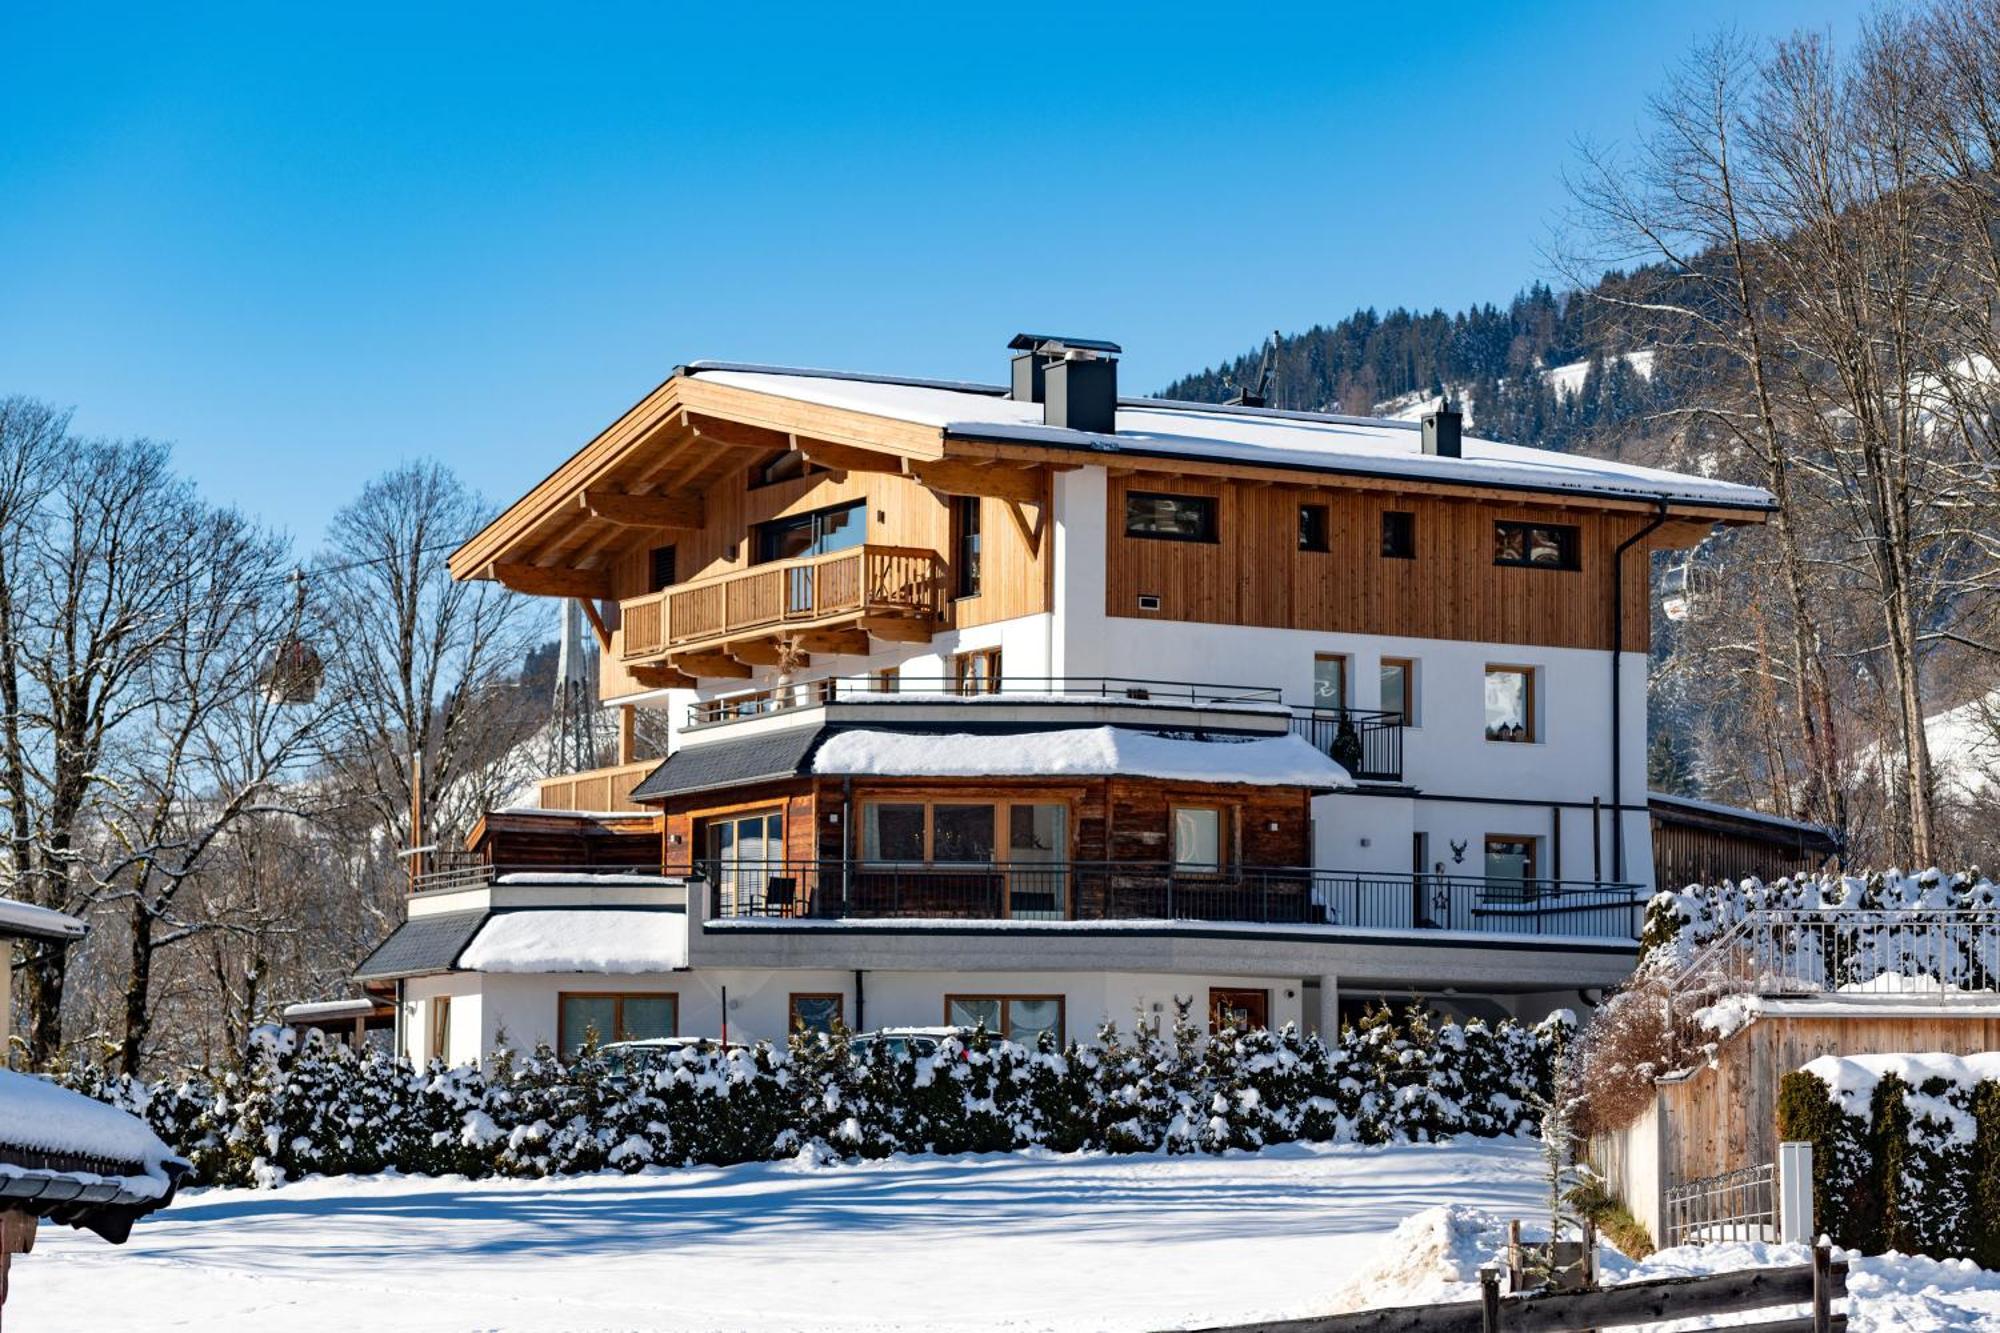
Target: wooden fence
x=1816 y=1285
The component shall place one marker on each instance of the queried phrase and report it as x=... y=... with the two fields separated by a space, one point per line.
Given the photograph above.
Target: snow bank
x=39 y=1116
x=579 y=940
x=1279 y=761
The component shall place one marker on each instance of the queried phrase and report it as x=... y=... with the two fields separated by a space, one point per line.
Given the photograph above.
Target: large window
x=817 y=1011
x=1199 y=831
x=1510 y=867
x=1329 y=680
x=1399 y=689
x=1181 y=518
x=1535 y=545
x=817 y=533
x=965 y=545
x=1399 y=534
x=1018 y=1018
x=612 y=1017
x=746 y=854
x=1510 y=704
x=963 y=832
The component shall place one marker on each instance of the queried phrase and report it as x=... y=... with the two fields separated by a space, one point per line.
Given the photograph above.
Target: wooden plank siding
x=1255 y=574
x=600 y=789
x=1014 y=548
x=1724 y=1116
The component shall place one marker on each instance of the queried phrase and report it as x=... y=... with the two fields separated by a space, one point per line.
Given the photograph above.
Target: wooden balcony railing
x=601 y=790
x=900 y=582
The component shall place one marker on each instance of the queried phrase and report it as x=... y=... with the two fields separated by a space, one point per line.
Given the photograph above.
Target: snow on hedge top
x=1681 y=921
x=1275 y=438
x=1276 y=761
x=579 y=940
x=40 y=922
x=1852 y=1080
x=36 y=1114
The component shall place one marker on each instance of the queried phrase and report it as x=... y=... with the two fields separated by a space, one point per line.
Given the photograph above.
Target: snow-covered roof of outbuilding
x=74 y=1159
x=20 y=920
x=1278 y=761
x=1158 y=427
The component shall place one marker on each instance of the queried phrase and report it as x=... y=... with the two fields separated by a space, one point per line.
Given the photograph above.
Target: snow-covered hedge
x=1906 y=1150
x=297 y=1110
x=1845 y=938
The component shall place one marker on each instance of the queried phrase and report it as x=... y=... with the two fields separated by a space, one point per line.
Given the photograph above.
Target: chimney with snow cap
x=1074 y=379
x=1441 y=431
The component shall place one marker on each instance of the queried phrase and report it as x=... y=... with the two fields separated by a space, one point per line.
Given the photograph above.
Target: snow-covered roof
x=41 y=923
x=1278 y=761
x=1736 y=812
x=1165 y=428
x=326 y=1010
x=38 y=1116
x=579 y=940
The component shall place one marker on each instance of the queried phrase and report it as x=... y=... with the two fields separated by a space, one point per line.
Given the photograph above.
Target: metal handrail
x=1874 y=950
x=1129 y=890
x=831 y=689
x=465 y=873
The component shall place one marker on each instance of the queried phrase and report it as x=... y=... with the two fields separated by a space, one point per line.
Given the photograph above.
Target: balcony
x=1134 y=891
x=1246 y=702
x=894 y=592
x=1369 y=745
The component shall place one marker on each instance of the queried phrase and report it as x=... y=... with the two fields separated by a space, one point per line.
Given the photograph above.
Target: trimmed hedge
x=319 y=1108
x=1906 y=1152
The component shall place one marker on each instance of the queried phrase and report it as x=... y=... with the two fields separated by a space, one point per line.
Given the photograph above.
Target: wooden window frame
x=1225 y=823
x=1530 y=881
x=959 y=662
x=1319 y=543
x=967 y=521
x=1409 y=665
x=1569 y=544
x=618 y=998
x=1210 y=534
x=792 y=1023
x=1006 y=1010
x=1002 y=808
x=1346 y=661
x=811 y=516
x=1217 y=992
x=440 y=1028
x=1534 y=676
x=1409 y=531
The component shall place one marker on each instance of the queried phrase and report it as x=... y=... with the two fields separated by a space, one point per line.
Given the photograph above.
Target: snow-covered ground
x=1015 y=1242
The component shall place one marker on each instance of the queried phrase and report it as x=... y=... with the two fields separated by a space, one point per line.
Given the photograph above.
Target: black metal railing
x=447 y=870
x=1140 y=891
x=1116 y=689
x=1369 y=745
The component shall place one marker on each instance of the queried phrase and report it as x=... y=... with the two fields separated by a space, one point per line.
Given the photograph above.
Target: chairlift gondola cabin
x=294 y=673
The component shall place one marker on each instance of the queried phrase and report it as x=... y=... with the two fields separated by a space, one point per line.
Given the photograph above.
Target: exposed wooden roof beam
x=722 y=433
x=686 y=512
x=710 y=664
x=954 y=478
x=538 y=581
x=655 y=676
x=846 y=458
x=839 y=642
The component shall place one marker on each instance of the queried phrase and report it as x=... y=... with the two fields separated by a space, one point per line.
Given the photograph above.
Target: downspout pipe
x=1617 y=695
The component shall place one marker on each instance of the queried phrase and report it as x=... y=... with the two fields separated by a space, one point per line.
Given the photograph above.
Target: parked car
x=623 y=1059
x=899 y=1042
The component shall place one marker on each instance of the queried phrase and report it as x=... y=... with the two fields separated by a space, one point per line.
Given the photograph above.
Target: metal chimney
x=1441 y=431
x=1074 y=379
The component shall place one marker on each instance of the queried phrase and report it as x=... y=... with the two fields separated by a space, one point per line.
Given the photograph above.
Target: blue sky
x=306 y=243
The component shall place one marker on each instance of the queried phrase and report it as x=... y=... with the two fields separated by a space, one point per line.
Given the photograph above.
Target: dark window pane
x=1399 y=535
x=647 y=1016
x=840 y=529
x=893 y=833
x=965 y=543
x=1177 y=517
x=971 y=1013
x=1537 y=545
x=815 y=1013
x=1313 y=527
x=962 y=833
x=662 y=567
x=587 y=1015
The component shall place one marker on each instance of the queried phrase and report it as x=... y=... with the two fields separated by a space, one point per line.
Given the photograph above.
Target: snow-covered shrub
x=315 y=1107
x=1846 y=1194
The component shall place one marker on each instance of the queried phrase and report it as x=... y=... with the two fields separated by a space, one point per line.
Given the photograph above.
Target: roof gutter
x=1617 y=702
